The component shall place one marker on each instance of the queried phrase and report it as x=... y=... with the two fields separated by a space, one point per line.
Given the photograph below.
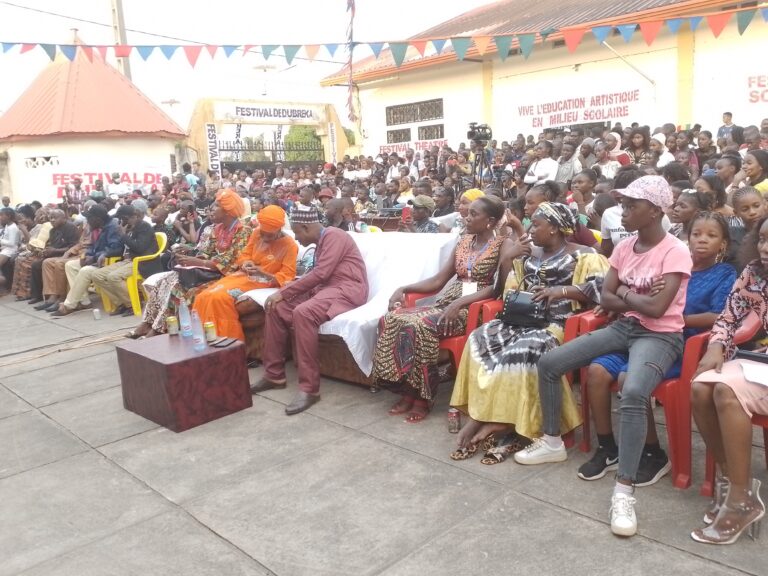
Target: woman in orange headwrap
x=269 y=261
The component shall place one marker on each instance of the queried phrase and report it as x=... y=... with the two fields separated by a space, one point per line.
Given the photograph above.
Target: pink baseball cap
x=655 y=189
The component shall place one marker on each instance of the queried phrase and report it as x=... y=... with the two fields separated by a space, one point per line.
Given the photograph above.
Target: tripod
x=480 y=166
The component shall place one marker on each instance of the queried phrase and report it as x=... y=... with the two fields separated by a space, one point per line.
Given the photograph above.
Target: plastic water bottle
x=185 y=320
x=198 y=334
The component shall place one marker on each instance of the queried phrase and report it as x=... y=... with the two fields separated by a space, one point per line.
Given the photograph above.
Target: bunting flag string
x=503 y=45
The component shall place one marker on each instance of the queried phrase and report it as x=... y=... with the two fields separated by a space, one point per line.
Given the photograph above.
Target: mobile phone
x=407 y=211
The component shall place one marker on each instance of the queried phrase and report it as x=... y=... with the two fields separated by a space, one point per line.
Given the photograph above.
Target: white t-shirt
x=610 y=225
x=541 y=170
x=415 y=168
x=393 y=173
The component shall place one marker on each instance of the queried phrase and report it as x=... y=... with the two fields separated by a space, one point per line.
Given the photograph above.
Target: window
x=397 y=136
x=41 y=161
x=433 y=132
x=415 y=112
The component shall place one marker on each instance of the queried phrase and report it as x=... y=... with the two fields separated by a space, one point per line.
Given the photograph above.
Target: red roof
x=84 y=96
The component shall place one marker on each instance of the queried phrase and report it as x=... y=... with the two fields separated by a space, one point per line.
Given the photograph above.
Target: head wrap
x=559 y=215
x=473 y=194
x=230 y=202
x=271 y=218
x=307 y=215
x=589 y=142
x=661 y=139
x=616 y=150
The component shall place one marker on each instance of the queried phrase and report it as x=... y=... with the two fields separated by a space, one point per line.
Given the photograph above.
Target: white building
x=683 y=77
x=82 y=119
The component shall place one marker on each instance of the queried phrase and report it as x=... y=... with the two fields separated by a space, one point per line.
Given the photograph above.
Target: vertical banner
x=279 y=146
x=238 y=142
x=213 y=149
x=332 y=138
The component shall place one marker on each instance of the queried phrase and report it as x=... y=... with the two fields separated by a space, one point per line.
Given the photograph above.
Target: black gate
x=258 y=152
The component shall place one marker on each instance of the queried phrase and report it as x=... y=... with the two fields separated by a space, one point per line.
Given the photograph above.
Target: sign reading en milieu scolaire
x=597 y=107
x=401 y=147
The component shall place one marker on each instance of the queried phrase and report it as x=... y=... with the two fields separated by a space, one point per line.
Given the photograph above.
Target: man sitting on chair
x=337 y=283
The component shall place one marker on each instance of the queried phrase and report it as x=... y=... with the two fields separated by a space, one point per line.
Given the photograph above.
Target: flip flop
x=402 y=406
x=464 y=453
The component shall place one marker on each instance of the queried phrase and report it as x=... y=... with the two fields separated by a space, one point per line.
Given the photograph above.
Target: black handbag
x=193 y=276
x=520 y=310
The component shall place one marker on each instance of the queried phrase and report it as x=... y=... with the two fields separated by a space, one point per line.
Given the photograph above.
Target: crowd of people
x=664 y=231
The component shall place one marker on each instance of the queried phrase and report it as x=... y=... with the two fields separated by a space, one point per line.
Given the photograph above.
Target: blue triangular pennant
x=398 y=50
x=376 y=48
x=168 y=50
x=290 y=51
x=228 y=50
x=503 y=44
x=764 y=12
x=601 y=33
x=743 y=20
x=460 y=46
x=8 y=45
x=526 y=42
x=145 y=51
x=694 y=21
x=626 y=31
x=674 y=24
x=438 y=45
x=267 y=49
x=50 y=49
x=69 y=51
x=331 y=49
x=546 y=32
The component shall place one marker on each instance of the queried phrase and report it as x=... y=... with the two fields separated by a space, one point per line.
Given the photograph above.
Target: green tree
x=310 y=147
x=350 y=136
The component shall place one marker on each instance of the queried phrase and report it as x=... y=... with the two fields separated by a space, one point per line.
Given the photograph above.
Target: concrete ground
x=88 y=488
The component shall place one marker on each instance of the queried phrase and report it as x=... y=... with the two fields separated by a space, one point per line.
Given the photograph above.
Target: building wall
x=682 y=78
x=40 y=169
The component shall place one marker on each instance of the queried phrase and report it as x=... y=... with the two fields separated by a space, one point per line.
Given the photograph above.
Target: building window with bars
x=432 y=132
x=397 y=136
x=415 y=112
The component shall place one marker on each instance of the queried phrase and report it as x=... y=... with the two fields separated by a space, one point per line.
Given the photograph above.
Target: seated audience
x=63 y=236
x=10 y=238
x=32 y=248
x=418 y=221
x=444 y=202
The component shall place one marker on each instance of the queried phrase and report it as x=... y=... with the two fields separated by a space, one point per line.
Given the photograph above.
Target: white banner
x=332 y=138
x=267 y=113
x=214 y=159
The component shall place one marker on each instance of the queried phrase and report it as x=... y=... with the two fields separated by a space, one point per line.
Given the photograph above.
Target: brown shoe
x=263 y=385
x=301 y=402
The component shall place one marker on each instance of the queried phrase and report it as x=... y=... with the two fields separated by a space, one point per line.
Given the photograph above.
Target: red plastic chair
x=746 y=332
x=455 y=344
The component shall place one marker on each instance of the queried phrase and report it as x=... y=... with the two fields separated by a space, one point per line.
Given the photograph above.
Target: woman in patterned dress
x=497 y=383
x=407 y=349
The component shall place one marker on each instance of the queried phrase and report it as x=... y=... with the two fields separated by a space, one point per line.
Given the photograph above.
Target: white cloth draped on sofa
x=392 y=260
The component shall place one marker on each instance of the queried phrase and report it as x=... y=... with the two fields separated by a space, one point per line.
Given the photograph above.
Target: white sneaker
x=623 y=519
x=539 y=452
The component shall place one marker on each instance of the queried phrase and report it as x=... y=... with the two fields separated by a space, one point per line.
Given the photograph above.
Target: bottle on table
x=185 y=320
x=198 y=333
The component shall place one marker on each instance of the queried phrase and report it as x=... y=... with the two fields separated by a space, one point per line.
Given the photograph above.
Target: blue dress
x=707 y=292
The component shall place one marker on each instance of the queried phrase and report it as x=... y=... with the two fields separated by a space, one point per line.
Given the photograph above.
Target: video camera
x=479 y=132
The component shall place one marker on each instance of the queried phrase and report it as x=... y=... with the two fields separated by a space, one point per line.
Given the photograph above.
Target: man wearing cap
x=337 y=283
x=139 y=239
x=419 y=221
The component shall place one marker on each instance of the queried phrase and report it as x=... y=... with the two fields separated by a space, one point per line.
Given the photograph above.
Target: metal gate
x=259 y=152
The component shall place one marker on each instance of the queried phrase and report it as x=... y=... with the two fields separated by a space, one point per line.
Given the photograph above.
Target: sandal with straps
x=464 y=453
x=418 y=412
x=402 y=406
x=504 y=450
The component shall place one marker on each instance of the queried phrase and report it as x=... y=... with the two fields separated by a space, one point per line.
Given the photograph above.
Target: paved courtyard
x=88 y=488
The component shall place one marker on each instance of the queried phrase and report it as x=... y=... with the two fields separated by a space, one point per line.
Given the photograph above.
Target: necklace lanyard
x=472 y=258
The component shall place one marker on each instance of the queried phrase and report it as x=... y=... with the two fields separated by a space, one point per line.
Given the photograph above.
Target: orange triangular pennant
x=650 y=30
x=102 y=50
x=420 y=45
x=27 y=48
x=88 y=51
x=573 y=38
x=717 y=22
x=312 y=50
x=482 y=43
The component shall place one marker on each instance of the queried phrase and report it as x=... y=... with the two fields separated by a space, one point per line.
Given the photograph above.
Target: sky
x=221 y=22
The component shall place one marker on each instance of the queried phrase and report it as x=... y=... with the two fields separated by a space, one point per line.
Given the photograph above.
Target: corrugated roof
x=84 y=96
x=520 y=16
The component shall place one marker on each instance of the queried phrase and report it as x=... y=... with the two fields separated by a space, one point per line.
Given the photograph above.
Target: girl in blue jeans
x=649 y=331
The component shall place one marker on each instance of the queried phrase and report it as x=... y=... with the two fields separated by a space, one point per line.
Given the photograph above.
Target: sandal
x=419 y=411
x=499 y=453
x=464 y=453
x=402 y=406
x=489 y=443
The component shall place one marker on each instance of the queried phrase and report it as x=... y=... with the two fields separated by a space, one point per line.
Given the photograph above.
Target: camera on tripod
x=479 y=132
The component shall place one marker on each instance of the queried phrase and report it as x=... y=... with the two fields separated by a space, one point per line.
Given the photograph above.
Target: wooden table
x=387 y=224
x=164 y=380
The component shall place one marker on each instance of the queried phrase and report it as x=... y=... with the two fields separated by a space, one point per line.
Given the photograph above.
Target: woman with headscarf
x=218 y=249
x=613 y=140
x=496 y=382
x=658 y=147
x=462 y=209
x=269 y=261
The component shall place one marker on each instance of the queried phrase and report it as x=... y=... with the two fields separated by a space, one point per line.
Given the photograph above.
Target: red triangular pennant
x=482 y=43
x=420 y=45
x=122 y=51
x=192 y=52
x=650 y=30
x=573 y=38
x=102 y=50
x=211 y=49
x=27 y=48
x=88 y=51
x=717 y=22
x=312 y=50
x=247 y=48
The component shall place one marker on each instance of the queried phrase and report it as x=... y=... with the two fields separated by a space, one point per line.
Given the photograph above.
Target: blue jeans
x=651 y=354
